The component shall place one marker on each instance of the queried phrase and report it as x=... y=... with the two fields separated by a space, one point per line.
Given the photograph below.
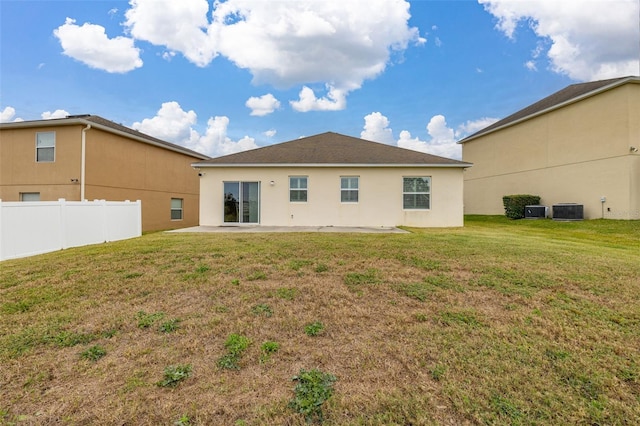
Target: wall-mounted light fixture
x=633 y=148
x=273 y=182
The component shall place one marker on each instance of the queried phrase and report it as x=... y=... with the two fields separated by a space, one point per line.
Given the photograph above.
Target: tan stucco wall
x=19 y=171
x=117 y=168
x=380 y=197
x=126 y=169
x=578 y=153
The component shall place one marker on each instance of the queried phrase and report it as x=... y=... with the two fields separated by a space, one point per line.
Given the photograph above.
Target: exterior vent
x=568 y=211
x=535 y=212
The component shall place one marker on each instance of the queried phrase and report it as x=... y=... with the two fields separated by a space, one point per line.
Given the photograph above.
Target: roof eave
x=84 y=122
x=594 y=92
x=327 y=165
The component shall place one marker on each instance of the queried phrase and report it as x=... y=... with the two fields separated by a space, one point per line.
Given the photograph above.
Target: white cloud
x=376 y=128
x=589 y=40
x=442 y=138
x=59 y=113
x=173 y=124
x=270 y=133
x=263 y=105
x=7 y=114
x=177 y=25
x=335 y=100
x=283 y=43
x=89 y=44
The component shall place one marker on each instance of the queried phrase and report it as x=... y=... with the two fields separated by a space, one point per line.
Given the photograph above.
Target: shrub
x=514 y=204
x=312 y=389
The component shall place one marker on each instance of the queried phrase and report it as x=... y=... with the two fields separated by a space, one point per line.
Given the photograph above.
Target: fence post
x=104 y=218
x=139 y=216
x=1 y=240
x=63 y=223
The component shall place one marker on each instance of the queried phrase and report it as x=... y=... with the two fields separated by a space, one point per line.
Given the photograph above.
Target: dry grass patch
x=501 y=322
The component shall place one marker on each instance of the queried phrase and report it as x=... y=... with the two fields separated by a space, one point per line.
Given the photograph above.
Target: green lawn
x=499 y=322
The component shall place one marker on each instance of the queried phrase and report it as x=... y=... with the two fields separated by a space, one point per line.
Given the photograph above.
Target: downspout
x=83 y=161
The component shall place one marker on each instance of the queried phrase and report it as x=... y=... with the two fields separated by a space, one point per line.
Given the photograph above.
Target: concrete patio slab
x=275 y=229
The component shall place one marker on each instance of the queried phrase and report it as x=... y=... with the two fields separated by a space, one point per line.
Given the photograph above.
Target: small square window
x=349 y=188
x=45 y=147
x=416 y=193
x=298 y=189
x=176 y=208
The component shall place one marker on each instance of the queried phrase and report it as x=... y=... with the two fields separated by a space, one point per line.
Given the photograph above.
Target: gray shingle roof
x=557 y=99
x=109 y=126
x=331 y=149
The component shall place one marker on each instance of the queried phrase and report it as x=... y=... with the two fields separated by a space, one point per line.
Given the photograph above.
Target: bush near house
x=514 y=204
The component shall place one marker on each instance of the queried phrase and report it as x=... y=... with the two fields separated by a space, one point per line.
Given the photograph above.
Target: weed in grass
x=66 y=339
x=235 y=344
x=354 y=280
x=132 y=275
x=174 y=374
x=286 y=293
x=169 y=326
x=146 y=320
x=235 y=281
x=184 y=420
x=257 y=275
x=93 y=353
x=201 y=269
x=314 y=328
x=262 y=309
x=321 y=267
x=437 y=372
x=420 y=317
x=506 y=408
x=108 y=334
x=418 y=291
x=312 y=390
x=267 y=349
x=461 y=317
x=297 y=264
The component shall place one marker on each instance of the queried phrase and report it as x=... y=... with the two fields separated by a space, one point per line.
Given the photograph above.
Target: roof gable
x=569 y=94
x=108 y=126
x=330 y=149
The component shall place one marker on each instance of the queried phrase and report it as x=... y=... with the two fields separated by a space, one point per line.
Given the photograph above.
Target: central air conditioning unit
x=568 y=211
x=535 y=212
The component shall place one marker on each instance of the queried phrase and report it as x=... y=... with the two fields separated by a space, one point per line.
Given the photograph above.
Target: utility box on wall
x=568 y=211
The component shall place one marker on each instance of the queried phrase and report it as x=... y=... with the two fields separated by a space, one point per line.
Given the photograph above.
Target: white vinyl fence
x=29 y=228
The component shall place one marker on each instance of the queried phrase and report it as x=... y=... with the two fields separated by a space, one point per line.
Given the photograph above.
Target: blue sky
x=220 y=77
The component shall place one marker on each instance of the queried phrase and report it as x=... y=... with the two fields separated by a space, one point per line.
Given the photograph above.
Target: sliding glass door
x=241 y=202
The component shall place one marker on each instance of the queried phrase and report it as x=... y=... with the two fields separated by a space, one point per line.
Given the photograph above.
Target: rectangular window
x=176 y=208
x=416 y=193
x=45 y=147
x=29 y=196
x=349 y=189
x=298 y=189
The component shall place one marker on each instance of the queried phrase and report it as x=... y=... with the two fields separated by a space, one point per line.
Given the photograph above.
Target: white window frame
x=29 y=196
x=349 y=189
x=300 y=189
x=404 y=193
x=177 y=209
x=45 y=145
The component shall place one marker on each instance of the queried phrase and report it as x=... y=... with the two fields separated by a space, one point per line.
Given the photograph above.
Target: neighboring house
x=86 y=157
x=331 y=180
x=580 y=145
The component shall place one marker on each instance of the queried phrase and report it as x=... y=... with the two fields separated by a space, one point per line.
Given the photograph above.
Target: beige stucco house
x=331 y=180
x=580 y=145
x=86 y=157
